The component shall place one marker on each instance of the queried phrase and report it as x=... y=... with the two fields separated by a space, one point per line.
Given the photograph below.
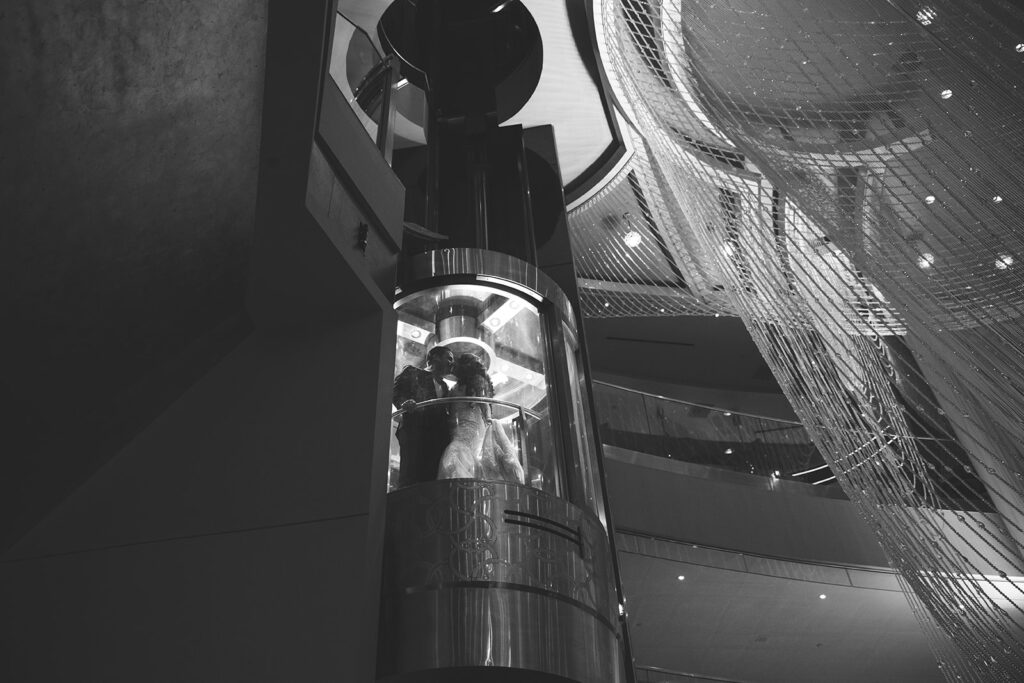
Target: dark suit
x=424 y=432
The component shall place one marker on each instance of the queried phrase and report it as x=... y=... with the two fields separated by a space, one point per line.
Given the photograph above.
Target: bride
x=480 y=448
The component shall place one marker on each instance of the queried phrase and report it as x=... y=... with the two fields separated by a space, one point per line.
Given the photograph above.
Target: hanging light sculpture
x=797 y=165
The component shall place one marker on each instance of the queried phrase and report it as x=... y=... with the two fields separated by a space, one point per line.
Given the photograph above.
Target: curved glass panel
x=355 y=67
x=582 y=426
x=471 y=391
x=704 y=435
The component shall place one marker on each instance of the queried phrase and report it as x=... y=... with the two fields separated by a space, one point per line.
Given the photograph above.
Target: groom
x=424 y=433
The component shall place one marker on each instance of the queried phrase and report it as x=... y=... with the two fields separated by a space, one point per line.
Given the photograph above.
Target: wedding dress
x=480 y=448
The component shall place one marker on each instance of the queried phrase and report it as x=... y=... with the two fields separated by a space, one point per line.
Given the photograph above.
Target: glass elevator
x=498 y=564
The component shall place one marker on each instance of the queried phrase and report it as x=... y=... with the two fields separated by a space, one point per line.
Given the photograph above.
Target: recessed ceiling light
x=1004 y=261
x=606 y=304
x=632 y=239
x=930 y=199
x=680 y=577
x=1020 y=47
x=822 y=596
x=926 y=15
x=946 y=94
x=997 y=199
x=926 y=260
x=728 y=451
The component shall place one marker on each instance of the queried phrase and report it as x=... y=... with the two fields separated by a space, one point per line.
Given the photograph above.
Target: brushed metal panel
x=501 y=627
x=496 y=574
x=427 y=267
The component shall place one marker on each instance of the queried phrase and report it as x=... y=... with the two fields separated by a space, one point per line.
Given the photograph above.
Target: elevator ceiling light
x=1004 y=261
x=632 y=239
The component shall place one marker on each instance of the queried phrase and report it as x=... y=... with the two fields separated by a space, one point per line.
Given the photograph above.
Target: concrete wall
x=237 y=535
x=130 y=134
x=229 y=541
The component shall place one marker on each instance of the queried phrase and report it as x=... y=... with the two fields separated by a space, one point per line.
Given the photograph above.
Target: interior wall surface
x=130 y=135
x=232 y=540
x=237 y=535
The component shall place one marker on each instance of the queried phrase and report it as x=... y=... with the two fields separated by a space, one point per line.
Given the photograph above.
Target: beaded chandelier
x=844 y=177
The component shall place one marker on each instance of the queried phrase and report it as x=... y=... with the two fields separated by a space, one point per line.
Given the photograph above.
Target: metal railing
x=367 y=80
x=518 y=423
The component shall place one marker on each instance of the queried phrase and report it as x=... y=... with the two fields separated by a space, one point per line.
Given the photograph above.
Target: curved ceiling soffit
x=567 y=97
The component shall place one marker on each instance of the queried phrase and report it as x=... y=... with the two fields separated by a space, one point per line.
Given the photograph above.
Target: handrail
x=789 y=423
x=523 y=412
x=716 y=409
x=467 y=399
x=381 y=78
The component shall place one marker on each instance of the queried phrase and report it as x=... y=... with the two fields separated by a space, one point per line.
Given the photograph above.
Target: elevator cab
x=496 y=554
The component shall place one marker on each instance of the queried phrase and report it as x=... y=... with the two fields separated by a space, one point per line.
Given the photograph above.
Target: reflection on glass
x=704 y=435
x=582 y=432
x=354 y=64
x=471 y=390
x=364 y=79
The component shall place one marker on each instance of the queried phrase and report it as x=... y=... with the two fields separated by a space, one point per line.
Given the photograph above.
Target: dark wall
x=130 y=134
x=232 y=540
x=235 y=532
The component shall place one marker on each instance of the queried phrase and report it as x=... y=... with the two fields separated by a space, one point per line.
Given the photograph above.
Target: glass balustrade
x=706 y=435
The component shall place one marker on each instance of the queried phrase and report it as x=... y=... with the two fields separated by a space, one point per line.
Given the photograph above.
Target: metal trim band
x=426 y=588
x=486 y=267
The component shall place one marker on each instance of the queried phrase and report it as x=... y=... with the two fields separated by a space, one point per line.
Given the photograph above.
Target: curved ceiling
x=567 y=97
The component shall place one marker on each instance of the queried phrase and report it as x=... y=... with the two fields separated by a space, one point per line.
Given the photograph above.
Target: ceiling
x=567 y=96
